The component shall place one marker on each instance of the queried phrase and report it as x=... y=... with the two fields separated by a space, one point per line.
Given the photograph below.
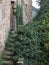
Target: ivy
x=32 y=43
x=19 y=15
x=32 y=40
x=0 y=61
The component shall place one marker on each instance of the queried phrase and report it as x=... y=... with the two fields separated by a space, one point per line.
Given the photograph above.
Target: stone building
x=27 y=10
x=7 y=18
x=4 y=21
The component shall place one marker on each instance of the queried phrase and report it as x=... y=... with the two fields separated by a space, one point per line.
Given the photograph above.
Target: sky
x=34 y=3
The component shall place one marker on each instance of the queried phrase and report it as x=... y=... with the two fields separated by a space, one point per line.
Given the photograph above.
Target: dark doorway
x=12 y=19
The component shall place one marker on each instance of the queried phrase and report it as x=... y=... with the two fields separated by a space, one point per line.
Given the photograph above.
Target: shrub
x=32 y=43
x=0 y=61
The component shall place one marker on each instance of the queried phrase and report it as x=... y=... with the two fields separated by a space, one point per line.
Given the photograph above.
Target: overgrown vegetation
x=0 y=61
x=19 y=15
x=32 y=41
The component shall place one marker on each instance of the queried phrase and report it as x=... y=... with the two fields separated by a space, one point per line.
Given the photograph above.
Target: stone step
x=11 y=49
x=7 y=62
x=8 y=49
x=10 y=45
x=7 y=58
x=12 y=31
x=8 y=53
x=12 y=41
x=13 y=36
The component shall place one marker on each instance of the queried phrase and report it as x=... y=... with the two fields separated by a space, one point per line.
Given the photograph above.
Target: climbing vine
x=32 y=43
x=0 y=61
x=19 y=15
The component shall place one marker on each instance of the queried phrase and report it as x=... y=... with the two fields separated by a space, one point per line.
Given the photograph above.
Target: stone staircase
x=8 y=53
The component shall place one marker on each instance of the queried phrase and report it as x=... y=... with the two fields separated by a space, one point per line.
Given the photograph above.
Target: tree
x=44 y=9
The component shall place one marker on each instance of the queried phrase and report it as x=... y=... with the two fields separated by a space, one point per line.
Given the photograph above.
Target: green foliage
x=32 y=40
x=0 y=61
x=44 y=9
x=19 y=15
x=32 y=43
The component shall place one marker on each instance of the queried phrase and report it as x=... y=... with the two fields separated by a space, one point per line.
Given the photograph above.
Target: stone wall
x=5 y=23
x=5 y=6
x=27 y=11
x=0 y=24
